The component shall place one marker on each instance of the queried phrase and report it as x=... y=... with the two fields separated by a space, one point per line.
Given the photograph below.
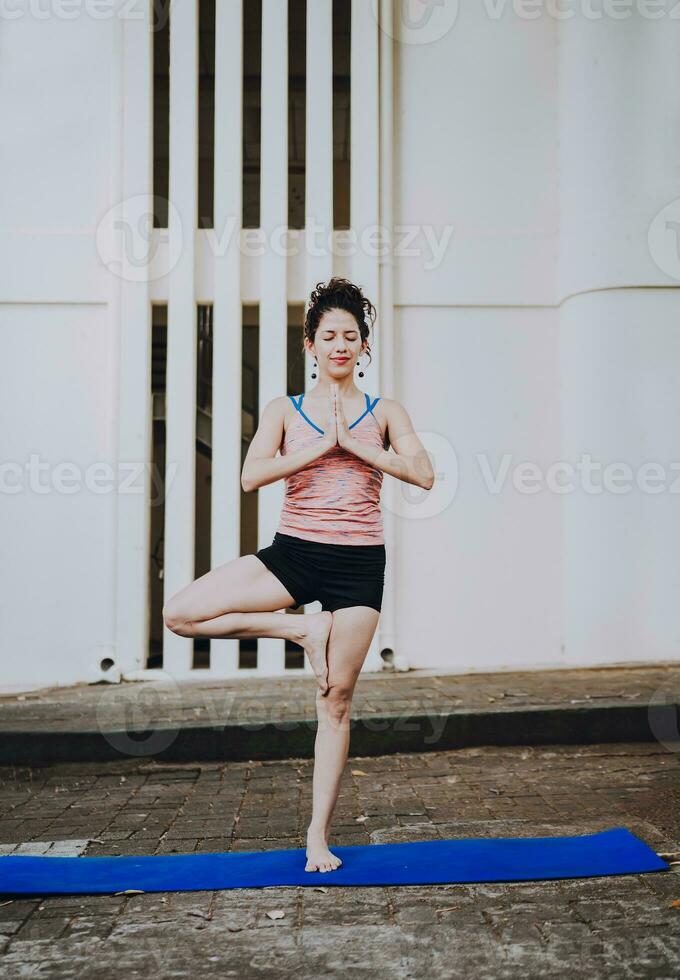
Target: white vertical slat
x=318 y=149
x=318 y=164
x=132 y=311
x=273 y=266
x=365 y=188
x=387 y=627
x=181 y=367
x=227 y=325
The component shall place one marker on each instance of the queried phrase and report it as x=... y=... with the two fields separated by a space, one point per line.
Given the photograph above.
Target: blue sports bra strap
x=297 y=404
x=372 y=404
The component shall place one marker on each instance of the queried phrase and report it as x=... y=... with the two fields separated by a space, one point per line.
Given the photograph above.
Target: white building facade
x=523 y=164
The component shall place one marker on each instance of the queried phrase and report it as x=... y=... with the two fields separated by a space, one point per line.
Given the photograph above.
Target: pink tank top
x=336 y=498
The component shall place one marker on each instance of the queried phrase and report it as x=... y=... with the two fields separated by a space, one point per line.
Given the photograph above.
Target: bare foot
x=319 y=858
x=315 y=640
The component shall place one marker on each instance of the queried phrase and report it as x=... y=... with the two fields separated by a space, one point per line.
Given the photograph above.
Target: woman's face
x=337 y=343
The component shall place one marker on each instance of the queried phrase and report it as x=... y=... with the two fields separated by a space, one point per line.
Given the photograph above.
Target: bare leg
x=239 y=600
x=348 y=644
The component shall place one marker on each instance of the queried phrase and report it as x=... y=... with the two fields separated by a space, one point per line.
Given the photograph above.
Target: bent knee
x=174 y=619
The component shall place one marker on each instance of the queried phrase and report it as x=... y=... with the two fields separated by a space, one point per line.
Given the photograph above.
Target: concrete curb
x=370 y=735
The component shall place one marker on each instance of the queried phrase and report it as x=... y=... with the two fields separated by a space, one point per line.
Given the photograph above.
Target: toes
x=311 y=867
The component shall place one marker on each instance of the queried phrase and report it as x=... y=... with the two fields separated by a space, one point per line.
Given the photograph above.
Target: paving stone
x=604 y=927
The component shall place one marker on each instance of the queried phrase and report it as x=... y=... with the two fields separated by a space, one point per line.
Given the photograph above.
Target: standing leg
x=348 y=643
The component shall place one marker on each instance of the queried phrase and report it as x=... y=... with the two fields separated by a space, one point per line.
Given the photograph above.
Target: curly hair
x=339 y=294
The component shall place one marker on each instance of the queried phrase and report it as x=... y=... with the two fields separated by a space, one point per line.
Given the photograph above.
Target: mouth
x=339 y=360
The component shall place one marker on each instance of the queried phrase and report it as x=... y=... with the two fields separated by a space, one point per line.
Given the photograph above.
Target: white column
x=365 y=191
x=131 y=313
x=387 y=625
x=318 y=165
x=318 y=151
x=227 y=326
x=619 y=346
x=273 y=265
x=181 y=366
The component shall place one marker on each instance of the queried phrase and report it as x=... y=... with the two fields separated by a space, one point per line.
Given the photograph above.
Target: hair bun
x=339 y=294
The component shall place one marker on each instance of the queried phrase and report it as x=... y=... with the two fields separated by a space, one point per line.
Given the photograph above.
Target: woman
x=329 y=544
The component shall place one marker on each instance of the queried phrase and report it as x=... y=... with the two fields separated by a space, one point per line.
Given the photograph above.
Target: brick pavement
x=605 y=927
x=257 y=717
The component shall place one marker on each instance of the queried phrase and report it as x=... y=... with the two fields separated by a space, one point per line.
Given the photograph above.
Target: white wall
x=479 y=581
x=59 y=348
x=545 y=331
x=536 y=337
x=56 y=617
x=620 y=351
x=477 y=136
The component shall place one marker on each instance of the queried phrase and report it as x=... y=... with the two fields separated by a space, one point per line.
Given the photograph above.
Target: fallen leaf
x=130 y=891
x=6 y=903
x=675 y=904
x=276 y=914
x=359 y=772
x=232 y=928
x=361 y=819
x=321 y=889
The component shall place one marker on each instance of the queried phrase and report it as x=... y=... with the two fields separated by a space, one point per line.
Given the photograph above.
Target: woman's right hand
x=330 y=437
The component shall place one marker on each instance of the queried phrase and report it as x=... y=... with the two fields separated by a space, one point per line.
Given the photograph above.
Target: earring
x=361 y=373
x=314 y=372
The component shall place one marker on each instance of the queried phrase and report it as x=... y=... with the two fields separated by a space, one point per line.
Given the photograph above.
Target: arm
x=409 y=462
x=261 y=465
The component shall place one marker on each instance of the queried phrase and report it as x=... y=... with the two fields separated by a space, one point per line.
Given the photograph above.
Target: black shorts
x=339 y=575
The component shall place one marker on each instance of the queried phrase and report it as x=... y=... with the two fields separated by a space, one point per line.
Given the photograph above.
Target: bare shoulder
x=398 y=427
x=280 y=410
x=277 y=407
x=272 y=420
x=396 y=416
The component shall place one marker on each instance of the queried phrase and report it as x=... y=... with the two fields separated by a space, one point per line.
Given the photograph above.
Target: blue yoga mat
x=611 y=852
